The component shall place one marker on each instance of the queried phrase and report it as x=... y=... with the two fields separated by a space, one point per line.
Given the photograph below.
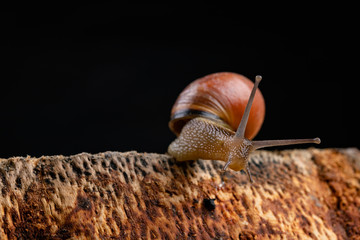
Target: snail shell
x=220 y=97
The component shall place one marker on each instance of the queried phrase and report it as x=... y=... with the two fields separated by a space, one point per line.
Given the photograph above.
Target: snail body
x=213 y=121
x=202 y=139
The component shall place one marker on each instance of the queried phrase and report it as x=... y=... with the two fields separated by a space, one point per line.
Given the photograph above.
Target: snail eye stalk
x=240 y=132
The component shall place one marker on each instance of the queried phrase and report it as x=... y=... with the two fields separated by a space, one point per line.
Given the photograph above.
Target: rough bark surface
x=297 y=194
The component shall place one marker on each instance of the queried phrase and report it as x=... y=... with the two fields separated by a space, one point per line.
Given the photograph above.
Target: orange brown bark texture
x=297 y=194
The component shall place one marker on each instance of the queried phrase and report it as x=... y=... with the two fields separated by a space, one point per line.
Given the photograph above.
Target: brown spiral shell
x=221 y=97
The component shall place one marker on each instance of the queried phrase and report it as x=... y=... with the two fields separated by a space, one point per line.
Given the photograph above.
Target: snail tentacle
x=240 y=133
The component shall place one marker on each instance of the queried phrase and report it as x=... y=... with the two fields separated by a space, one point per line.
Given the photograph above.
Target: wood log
x=297 y=194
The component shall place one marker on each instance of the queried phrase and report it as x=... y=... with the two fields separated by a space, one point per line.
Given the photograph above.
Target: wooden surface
x=297 y=194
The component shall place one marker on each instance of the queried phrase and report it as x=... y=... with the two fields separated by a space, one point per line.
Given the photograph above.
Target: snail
x=216 y=117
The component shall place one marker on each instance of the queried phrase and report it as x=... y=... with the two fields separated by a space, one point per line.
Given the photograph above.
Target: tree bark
x=297 y=194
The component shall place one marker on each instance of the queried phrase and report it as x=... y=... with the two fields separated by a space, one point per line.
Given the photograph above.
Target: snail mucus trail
x=209 y=139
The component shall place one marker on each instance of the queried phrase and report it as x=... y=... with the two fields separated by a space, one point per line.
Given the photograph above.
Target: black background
x=104 y=77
